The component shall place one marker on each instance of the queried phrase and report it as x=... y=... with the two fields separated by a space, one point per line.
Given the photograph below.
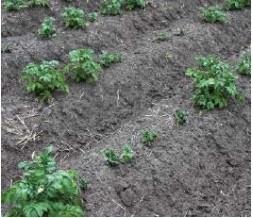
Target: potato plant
x=107 y=58
x=111 y=157
x=42 y=3
x=42 y=79
x=213 y=14
x=127 y=154
x=244 y=65
x=214 y=83
x=44 y=190
x=91 y=17
x=181 y=116
x=74 y=18
x=82 y=65
x=16 y=5
x=133 y=4
x=236 y=4
x=47 y=29
x=111 y=7
x=115 y=7
x=148 y=137
x=114 y=159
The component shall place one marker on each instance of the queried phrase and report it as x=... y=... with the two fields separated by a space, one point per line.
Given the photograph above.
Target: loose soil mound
x=199 y=169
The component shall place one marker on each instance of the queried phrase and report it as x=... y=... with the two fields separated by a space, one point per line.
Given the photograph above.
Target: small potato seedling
x=213 y=14
x=236 y=4
x=91 y=17
x=214 y=83
x=127 y=155
x=181 y=116
x=16 y=5
x=115 y=7
x=42 y=3
x=42 y=79
x=111 y=7
x=133 y=4
x=106 y=59
x=74 y=18
x=47 y=29
x=148 y=137
x=244 y=65
x=111 y=157
x=44 y=190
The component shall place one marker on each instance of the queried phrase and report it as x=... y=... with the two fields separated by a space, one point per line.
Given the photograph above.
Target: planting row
x=77 y=18
x=108 y=7
x=214 y=80
x=44 y=78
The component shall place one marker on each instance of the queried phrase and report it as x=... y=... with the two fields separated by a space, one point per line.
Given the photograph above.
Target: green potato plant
x=133 y=4
x=74 y=18
x=111 y=7
x=92 y=17
x=115 y=7
x=43 y=79
x=44 y=190
x=244 y=65
x=213 y=14
x=214 y=83
x=16 y=5
x=127 y=154
x=47 y=29
x=111 y=157
x=42 y=3
x=148 y=137
x=106 y=58
x=236 y=4
x=82 y=65
x=181 y=116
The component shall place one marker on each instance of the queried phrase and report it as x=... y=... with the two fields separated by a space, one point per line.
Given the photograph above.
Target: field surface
x=199 y=169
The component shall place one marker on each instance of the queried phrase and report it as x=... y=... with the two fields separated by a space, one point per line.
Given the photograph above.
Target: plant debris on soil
x=201 y=168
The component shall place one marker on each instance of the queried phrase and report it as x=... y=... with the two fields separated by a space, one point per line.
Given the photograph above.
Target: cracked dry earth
x=199 y=169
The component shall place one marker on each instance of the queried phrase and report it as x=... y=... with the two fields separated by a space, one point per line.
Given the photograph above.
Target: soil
x=199 y=169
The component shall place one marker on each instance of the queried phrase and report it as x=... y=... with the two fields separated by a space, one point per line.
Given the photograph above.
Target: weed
x=111 y=157
x=42 y=79
x=213 y=14
x=236 y=4
x=244 y=65
x=92 y=16
x=214 y=83
x=127 y=154
x=47 y=29
x=132 y=4
x=74 y=18
x=44 y=190
x=148 y=137
x=111 y=7
x=107 y=58
x=181 y=116
x=83 y=66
